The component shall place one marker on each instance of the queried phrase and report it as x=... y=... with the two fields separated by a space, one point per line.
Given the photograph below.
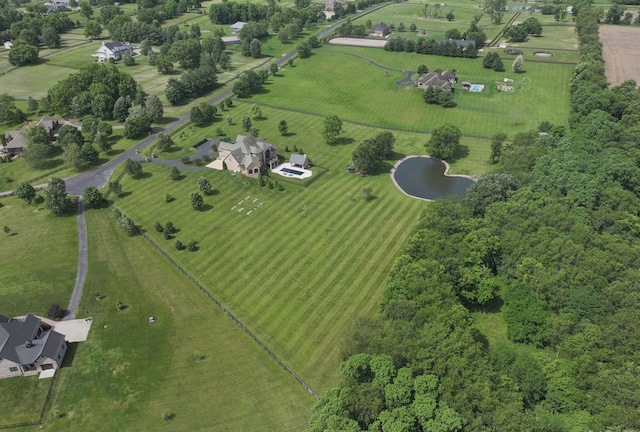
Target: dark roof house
x=443 y=80
x=380 y=30
x=460 y=42
x=14 y=143
x=28 y=347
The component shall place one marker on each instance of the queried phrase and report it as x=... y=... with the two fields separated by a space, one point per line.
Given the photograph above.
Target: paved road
x=83 y=261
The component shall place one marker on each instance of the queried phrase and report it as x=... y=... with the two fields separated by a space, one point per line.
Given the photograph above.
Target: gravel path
x=83 y=261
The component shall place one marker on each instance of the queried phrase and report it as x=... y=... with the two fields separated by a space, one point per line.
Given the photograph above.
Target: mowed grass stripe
x=292 y=277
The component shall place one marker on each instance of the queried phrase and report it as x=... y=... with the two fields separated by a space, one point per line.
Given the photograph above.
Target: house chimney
x=28 y=344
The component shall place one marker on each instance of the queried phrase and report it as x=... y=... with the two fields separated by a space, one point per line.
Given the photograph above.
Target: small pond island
x=426 y=178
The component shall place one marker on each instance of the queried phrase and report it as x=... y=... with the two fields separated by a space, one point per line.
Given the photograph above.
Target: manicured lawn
x=129 y=373
x=39 y=259
x=363 y=92
x=300 y=269
x=22 y=399
x=412 y=13
x=32 y=81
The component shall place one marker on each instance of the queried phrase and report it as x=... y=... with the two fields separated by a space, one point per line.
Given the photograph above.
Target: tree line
x=547 y=245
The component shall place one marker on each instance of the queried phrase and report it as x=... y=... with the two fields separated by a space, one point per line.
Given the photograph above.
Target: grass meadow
x=130 y=373
x=363 y=92
x=14 y=409
x=412 y=13
x=39 y=258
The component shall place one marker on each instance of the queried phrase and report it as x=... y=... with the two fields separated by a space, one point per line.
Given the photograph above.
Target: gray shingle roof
x=381 y=26
x=459 y=42
x=299 y=159
x=14 y=336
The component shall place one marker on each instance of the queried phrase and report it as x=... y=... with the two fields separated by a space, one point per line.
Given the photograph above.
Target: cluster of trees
x=94 y=90
x=192 y=83
x=548 y=243
x=203 y=114
x=493 y=61
x=9 y=111
x=439 y=96
x=495 y=10
x=520 y=32
x=444 y=142
x=124 y=222
x=371 y=152
x=249 y=82
x=559 y=12
x=430 y=46
x=303 y=14
x=617 y=14
x=32 y=27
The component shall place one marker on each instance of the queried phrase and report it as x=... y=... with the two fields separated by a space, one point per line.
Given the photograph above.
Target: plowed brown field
x=621 y=53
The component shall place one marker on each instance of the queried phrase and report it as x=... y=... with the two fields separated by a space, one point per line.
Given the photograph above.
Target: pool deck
x=305 y=172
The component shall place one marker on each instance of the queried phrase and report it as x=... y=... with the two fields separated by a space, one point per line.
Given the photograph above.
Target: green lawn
x=39 y=259
x=303 y=267
x=130 y=373
x=370 y=95
x=16 y=410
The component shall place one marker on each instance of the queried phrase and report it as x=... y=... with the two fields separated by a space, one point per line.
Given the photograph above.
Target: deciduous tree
x=444 y=141
x=55 y=197
x=25 y=192
x=331 y=128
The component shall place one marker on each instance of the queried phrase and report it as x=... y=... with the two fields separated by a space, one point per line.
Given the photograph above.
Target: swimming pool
x=476 y=88
x=292 y=171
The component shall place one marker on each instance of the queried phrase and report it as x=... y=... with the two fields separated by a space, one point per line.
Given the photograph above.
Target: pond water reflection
x=424 y=177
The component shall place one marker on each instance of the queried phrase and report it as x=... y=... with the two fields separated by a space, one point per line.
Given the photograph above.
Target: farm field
x=319 y=261
x=621 y=53
x=542 y=92
x=130 y=373
x=39 y=260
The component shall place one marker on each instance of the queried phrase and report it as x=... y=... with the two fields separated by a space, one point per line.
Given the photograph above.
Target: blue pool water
x=292 y=171
x=476 y=88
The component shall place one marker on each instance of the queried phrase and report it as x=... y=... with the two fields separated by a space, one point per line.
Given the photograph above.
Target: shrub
x=56 y=312
x=159 y=227
x=179 y=245
x=192 y=246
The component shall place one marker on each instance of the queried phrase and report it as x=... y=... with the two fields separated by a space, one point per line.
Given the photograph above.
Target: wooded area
x=548 y=242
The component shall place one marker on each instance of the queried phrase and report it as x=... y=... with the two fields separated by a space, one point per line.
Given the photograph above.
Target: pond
x=424 y=177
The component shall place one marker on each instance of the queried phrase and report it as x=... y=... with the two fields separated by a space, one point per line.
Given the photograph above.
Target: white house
x=8 y=45
x=112 y=50
x=28 y=347
x=236 y=27
x=248 y=155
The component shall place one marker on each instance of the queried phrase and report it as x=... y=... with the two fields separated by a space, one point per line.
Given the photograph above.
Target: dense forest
x=546 y=243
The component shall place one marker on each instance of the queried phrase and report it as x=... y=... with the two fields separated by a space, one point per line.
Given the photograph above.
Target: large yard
x=302 y=268
x=363 y=92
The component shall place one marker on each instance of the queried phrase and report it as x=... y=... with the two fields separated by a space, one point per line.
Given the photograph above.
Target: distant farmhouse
x=248 y=155
x=380 y=30
x=444 y=80
x=112 y=50
x=331 y=5
x=55 y=6
x=236 y=27
x=28 y=347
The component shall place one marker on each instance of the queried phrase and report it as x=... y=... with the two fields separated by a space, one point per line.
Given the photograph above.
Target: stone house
x=247 y=155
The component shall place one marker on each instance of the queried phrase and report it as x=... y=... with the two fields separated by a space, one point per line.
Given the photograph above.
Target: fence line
x=352 y=121
x=43 y=412
x=230 y=315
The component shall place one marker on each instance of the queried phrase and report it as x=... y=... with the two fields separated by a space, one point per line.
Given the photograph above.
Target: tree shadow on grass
x=461 y=153
x=115 y=152
x=343 y=141
x=124 y=194
x=143 y=175
x=289 y=134
x=206 y=207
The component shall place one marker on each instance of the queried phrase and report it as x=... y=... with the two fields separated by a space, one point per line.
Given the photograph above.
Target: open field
x=412 y=13
x=621 y=53
x=371 y=95
x=39 y=261
x=130 y=373
x=307 y=263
